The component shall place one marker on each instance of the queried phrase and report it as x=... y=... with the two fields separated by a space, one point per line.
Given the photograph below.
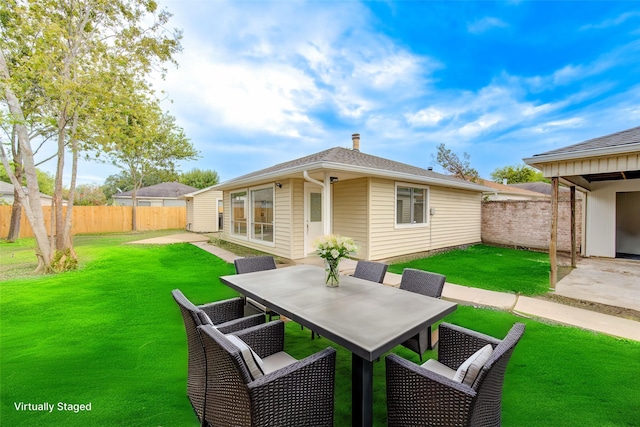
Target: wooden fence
x=105 y=219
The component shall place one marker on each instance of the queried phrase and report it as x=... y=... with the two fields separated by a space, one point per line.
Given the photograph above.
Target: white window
x=411 y=204
x=252 y=213
x=262 y=214
x=239 y=213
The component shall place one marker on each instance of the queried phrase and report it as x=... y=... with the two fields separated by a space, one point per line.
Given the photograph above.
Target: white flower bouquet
x=333 y=248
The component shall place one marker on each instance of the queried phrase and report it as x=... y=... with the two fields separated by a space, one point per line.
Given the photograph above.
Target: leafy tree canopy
x=199 y=178
x=517 y=174
x=45 y=180
x=89 y=195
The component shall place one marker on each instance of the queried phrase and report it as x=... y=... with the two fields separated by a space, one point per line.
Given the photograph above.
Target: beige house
x=607 y=170
x=389 y=208
x=204 y=210
x=7 y=193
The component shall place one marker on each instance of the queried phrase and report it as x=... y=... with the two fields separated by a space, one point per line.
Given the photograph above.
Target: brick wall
x=527 y=223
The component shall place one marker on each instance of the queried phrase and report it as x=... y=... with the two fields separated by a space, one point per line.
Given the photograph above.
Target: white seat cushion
x=437 y=367
x=277 y=361
x=254 y=363
x=470 y=368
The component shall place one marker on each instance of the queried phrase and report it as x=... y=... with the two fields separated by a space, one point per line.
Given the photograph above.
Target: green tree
x=456 y=166
x=516 y=174
x=89 y=195
x=45 y=180
x=144 y=140
x=60 y=64
x=199 y=178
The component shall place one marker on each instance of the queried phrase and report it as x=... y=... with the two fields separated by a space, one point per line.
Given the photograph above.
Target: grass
x=488 y=267
x=109 y=334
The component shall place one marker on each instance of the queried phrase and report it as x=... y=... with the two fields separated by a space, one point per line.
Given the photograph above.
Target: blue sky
x=262 y=82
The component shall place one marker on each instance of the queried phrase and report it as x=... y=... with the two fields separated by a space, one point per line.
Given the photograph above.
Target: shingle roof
x=625 y=137
x=165 y=189
x=348 y=157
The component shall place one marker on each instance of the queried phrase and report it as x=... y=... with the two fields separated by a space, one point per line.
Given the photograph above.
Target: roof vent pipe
x=356 y=141
x=505 y=181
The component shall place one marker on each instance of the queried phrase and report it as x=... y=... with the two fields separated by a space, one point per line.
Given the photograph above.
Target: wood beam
x=573 y=226
x=553 y=241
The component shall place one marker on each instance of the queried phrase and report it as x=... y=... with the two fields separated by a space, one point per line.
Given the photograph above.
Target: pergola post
x=553 y=241
x=573 y=226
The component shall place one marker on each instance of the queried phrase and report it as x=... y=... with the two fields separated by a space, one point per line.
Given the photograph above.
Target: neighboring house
x=165 y=194
x=7 y=192
x=607 y=170
x=204 y=210
x=510 y=192
x=545 y=188
x=389 y=208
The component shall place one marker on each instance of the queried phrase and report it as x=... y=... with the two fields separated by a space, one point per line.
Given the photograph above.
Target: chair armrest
x=223 y=311
x=265 y=339
x=415 y=393
x=299 y=394
x=456 y=344
x=241 y=323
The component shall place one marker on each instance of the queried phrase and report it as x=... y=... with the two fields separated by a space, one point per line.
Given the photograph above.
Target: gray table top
x=366 y=318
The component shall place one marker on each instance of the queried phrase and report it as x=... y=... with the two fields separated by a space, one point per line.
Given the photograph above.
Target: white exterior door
x=313 y=217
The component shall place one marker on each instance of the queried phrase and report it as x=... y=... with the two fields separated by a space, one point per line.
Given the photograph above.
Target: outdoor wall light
x=279 y=185
x=333 y=179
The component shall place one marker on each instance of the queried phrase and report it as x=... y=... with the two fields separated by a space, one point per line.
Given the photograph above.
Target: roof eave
x=354 y=169
x=581 y=154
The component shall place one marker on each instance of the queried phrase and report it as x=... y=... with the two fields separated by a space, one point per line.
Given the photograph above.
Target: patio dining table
x=366 y=318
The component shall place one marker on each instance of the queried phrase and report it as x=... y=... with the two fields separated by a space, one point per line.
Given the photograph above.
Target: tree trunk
x=16 y=209
x=134 y=212
x=31 y=200
x=16 y=216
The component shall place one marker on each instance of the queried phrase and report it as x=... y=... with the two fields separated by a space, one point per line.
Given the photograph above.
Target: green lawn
x=110 y=334
x=488 y=267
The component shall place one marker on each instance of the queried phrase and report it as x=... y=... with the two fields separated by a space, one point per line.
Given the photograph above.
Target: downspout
x=326 y=199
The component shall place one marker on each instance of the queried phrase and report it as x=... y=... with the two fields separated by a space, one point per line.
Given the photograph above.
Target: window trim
x=249 y=214
x=426 y=207
x=232 y=217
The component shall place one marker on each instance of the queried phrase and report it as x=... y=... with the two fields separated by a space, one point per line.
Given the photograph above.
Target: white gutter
x=326 y=199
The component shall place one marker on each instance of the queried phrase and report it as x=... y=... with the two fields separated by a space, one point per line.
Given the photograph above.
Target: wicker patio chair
x=253 y=264
x=288 y=392
x=227 y=316
x=425 y=283
x=431 y=395
x=372 y=271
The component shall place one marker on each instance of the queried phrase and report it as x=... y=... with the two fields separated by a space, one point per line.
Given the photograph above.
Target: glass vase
x=332 y=272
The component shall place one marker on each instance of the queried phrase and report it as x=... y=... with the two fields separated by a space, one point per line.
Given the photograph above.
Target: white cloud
x=485 y=24
x=260 y=69
x=613 y=22
x=429 y=116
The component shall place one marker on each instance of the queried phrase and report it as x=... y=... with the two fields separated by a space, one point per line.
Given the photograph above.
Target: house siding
x=457 y=221
x=351 y=212
x=593 y=165
x=297 y=215
x=204 y=215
